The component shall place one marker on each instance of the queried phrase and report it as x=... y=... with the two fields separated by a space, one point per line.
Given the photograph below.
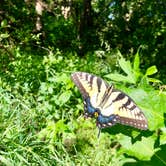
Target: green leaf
x=127 y=68
x=138 y=95
x=136 y=62
x=3 y=23
x=116 y=77
x=120 y=77
x=125 y=65
x=60 y=126
x=154 y=80
x=151 y=70
x=154 y=105
x=3 y=36
x=65 y=96
x=63 y=78
x=163 y=136
x=143 y=150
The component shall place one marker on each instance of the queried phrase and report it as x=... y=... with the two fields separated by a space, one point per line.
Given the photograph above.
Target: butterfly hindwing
x=110 y=105
x=126 y=111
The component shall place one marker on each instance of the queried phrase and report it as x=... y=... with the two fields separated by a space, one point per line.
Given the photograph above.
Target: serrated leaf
x=151 y=70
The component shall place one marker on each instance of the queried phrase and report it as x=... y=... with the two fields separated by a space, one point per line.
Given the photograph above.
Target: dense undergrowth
x=41 y=113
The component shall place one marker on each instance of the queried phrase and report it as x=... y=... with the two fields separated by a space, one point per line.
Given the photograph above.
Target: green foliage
x=151 y=101
x=133 y=24
x=41 y=110
x=41 y=119
x=133 y=72
x=142 y=149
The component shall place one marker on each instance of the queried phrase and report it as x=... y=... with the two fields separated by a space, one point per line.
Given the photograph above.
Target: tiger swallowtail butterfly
x=108 y=105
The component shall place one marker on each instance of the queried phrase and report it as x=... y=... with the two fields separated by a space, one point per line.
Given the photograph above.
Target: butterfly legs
x=98 y=135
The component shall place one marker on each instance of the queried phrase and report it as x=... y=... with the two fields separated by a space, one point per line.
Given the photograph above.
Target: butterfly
x=108 y=105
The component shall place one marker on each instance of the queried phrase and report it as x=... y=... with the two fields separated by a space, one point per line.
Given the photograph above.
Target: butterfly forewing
x=90 y=86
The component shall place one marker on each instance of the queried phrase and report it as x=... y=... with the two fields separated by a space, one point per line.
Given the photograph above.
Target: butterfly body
x=108 y=105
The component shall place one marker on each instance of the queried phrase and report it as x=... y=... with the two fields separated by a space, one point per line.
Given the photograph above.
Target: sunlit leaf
x=136 y=62
x=125 y=66
x=120 y=77
x=154 y=80
x=143 y=150
x=3 y=23
x=151 y=70
x=154 y=108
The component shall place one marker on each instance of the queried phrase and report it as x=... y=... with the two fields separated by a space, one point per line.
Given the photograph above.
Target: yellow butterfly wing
x=90 y=86
x=112 y=106
x=126 y=111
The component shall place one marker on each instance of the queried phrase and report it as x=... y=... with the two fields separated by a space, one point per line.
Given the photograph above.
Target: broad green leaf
x=120 y=77
x=143 y=150
x=132 y=78
x=151 y=70
x=116 y=77
x=127 y=68
x=154 y=106
x=136 y=65
x=125 y=65
x=138 y=95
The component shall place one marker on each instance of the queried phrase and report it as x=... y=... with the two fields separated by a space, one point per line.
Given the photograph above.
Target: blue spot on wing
x=89 y=110
x=101 y=119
